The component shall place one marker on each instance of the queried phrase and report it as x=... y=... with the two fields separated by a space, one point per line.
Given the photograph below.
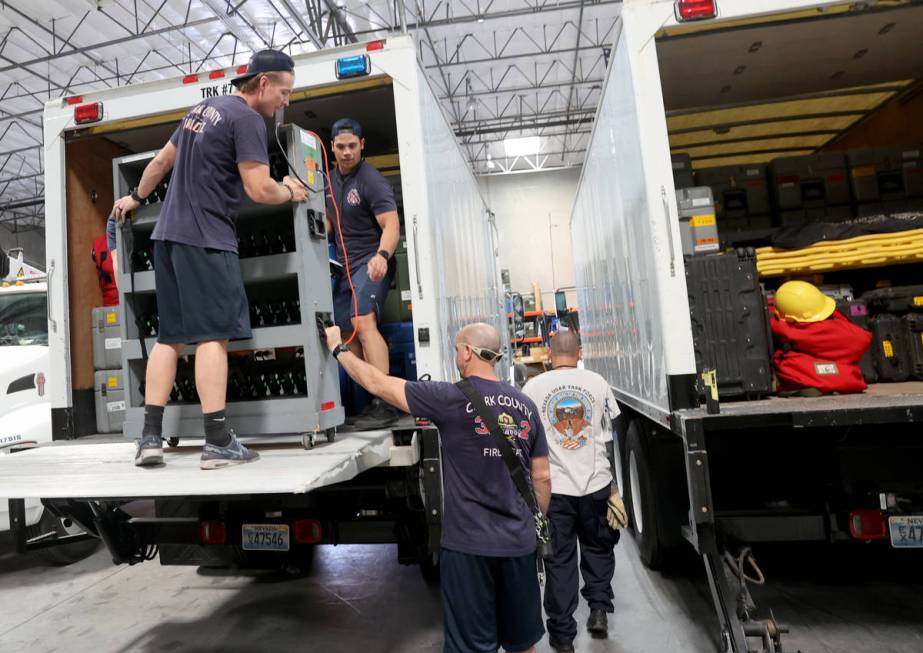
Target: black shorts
x=200 y=294
x=370 y=295
x=490 y=602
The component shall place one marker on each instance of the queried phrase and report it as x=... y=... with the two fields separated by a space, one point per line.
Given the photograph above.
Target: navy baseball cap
x=266 y=61
x=346 y=126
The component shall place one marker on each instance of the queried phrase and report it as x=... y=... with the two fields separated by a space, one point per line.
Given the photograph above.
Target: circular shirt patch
x=570 y=413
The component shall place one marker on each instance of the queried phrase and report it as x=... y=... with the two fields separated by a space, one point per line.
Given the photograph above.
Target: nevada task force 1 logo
x=570 y=413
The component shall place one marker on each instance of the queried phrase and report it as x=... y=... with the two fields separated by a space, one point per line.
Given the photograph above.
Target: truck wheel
x=65 y=554
x=647 y=499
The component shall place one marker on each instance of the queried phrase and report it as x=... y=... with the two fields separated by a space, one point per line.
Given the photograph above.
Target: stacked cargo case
x=742 y=203
x=281 y=380
x=730 y=323
x=897 y=325
x=108 y=382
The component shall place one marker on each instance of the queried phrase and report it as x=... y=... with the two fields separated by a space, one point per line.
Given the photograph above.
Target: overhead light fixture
x=521 y=146
x=472 y=104
x=480 y=19
x=490 y=162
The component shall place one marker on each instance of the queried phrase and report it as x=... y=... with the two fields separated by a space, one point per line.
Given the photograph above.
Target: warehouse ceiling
x=506 y=71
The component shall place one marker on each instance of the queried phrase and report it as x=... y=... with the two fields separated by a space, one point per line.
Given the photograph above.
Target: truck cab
x=25 y=411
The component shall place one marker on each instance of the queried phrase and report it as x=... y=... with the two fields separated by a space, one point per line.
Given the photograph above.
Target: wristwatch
x=136 y=197
x=339 y=349
x=384 y=254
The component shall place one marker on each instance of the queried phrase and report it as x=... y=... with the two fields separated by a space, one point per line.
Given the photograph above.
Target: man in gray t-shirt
x=217 y=153
x=576 y=407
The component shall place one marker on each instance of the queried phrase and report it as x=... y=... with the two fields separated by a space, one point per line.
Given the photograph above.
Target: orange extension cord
x=336 y=210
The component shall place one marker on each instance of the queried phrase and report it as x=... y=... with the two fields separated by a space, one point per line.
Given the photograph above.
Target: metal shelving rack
x=316 y=412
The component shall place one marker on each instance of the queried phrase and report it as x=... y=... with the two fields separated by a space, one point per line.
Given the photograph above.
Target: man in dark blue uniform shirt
x=490 y=589
x=370 y=231
x=217 y=153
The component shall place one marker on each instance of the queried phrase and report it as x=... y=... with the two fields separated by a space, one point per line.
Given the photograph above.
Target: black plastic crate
x=730 y=322
x=899 y=299
x=886 y=173
x=739 y=191
x=682 y=171
x=812 y=181
x=890 y=347
x=913 y=331
x=857 y=312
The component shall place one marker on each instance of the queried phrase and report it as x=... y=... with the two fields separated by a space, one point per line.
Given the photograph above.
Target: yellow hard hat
x=800 y=301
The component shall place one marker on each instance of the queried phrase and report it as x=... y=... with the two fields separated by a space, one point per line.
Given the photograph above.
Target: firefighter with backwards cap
x=370 y=231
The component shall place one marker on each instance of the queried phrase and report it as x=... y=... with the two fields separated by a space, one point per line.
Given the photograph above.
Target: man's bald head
x=565 y=344
x=480 y=334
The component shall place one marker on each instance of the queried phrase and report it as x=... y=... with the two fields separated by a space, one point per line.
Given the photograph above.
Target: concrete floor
x=358 y=599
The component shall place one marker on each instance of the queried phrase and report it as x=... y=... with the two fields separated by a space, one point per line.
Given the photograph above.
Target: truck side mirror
x=560 y=303
x=519 y=328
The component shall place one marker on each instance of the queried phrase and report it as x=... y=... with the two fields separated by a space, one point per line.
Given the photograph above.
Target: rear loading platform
x=366 y=487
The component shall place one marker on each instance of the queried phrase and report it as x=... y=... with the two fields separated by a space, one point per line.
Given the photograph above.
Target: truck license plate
x=264 y=537
x=906 y=531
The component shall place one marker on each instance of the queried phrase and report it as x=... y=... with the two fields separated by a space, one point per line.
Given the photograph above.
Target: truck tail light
x=688 y=10
x=866 y=524
x=375 y=45
x=308 y=531
x=213 y=532
x=89 y=112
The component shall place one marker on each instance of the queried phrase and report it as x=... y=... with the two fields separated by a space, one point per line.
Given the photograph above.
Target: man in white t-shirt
x=577 y=408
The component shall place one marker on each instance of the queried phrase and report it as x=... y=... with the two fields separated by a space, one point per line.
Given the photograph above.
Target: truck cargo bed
x=881 y=403
x=105 y=470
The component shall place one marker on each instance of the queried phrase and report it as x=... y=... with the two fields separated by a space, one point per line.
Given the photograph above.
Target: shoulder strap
x=517 y=471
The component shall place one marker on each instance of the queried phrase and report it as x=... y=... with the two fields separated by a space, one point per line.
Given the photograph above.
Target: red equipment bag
x=821 y=355
x=103 y=260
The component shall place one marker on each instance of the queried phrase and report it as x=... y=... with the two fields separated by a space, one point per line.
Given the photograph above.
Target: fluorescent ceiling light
x=522 y=146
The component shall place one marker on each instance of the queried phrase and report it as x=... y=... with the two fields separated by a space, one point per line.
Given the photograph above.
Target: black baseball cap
x=346 y=126
x=266 y=61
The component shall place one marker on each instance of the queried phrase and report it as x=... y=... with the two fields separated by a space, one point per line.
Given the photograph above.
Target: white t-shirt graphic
x=577 y=408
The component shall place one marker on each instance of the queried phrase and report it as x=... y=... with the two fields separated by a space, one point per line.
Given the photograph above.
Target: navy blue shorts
x=200 y=294
x=370 y=294
x=490 y=602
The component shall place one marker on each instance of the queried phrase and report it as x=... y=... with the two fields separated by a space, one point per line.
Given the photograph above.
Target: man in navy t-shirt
x=217 y=153
x=490 y=589
x=370 y=231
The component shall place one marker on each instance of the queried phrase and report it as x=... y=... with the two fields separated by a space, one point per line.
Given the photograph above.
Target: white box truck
x=740 y=82
x=381 y=486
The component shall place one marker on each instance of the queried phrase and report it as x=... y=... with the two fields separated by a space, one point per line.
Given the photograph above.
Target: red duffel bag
x=834 y=339
x=822 y=355
x=796 y=370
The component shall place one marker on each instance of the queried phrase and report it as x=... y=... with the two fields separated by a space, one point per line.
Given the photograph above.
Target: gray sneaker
x=150 y=451
x=215 y=457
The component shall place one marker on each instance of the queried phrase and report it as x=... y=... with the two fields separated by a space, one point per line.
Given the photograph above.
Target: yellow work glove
x=616 y=515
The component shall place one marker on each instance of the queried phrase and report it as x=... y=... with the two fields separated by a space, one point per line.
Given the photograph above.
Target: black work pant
x=583 y=520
